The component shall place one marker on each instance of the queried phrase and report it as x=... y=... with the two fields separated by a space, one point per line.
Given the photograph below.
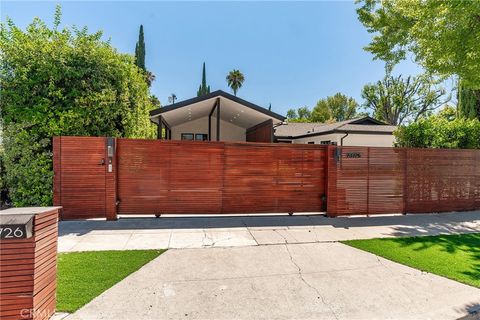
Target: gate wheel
x=290 y=213
x=157 y=215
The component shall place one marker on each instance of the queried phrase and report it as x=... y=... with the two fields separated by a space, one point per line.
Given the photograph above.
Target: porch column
x=210 y=126
x=210 y=120
x=160 y=128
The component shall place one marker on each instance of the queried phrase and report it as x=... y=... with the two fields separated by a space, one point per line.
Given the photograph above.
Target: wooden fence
x=156 y=177
x=366 y=180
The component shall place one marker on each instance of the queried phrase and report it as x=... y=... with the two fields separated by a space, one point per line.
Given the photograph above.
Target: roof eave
x=313 y=134
x=214 y=94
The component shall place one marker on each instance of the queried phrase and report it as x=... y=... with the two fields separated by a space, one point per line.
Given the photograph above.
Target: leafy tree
x=321 y=112
x=440 y=132
x=235 y=80
x=396 y=99
x=292 y=114
x=62 y=82
x=203 y=89
x=448 y=112
x=443 y=37
x=338 y=108
x=302 y=114
x=468 y=102
x=140 y=50
x=155 y=101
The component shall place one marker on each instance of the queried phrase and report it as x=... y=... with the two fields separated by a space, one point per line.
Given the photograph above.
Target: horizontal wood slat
x=183 y=177
x=28 y=271
x=368 y=180
x=79 y=176
x=215 y=177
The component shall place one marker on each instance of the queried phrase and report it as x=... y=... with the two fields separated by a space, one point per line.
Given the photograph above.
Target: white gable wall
x=228 y=131
x=353 y=139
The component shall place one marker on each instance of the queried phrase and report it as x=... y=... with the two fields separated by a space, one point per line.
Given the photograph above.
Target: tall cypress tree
x=468 y=105
x=203 y=89
x=140 y=50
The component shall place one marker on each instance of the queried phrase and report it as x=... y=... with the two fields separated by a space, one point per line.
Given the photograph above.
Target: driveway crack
x=300 y=274
x=281 y=235
x=250 y=232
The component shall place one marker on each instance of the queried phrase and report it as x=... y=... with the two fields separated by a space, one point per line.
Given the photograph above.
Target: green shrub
x=440 y=132
x=3 y=187
x=62 y=82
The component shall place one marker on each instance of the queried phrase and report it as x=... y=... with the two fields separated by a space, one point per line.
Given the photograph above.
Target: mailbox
x=28 y=262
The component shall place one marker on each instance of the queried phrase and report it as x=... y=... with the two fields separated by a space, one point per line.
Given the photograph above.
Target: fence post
x=405 y=180
x=57 y=172
x=111 y=151
x=331 y=176
x=325 y=176
x=368 y=181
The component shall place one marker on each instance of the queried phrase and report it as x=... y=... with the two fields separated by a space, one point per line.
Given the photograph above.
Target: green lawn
x=453 y=256
x=84 y=275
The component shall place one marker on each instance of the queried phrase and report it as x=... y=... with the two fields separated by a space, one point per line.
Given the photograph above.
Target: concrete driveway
x=251 y=230
x=271 y=267
x=282 y=281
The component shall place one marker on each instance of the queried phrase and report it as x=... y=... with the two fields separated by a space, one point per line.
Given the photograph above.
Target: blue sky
x=291 y=53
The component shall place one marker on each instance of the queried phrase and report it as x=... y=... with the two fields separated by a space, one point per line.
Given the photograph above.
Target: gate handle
x=102 y=162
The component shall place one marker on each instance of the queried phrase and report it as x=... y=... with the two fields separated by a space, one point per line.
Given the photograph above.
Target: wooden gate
x=182 y=177
x=80 y=171
x=156 y=177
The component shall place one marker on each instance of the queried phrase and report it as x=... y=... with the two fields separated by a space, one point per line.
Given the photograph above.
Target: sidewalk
x=237 y=231
x=288 y=281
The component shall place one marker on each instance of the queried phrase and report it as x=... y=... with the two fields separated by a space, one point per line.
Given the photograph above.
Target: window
x=201 y=137
x=187 y=136
x=326 y=142
x=195 y=136
x=311 y=142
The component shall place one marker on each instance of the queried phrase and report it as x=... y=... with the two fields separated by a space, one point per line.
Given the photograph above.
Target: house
x=220 y=116
x=364 y=131
x=217 y=116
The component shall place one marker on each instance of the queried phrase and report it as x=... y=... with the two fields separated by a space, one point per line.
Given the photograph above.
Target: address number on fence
x=13 y=231
x=354 y=155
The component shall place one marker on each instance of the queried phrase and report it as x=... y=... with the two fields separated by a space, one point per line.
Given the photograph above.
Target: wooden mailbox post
x=28 y=262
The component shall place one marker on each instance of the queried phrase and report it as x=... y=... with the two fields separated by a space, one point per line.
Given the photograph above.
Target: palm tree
x=235 y=80
x=172 y=98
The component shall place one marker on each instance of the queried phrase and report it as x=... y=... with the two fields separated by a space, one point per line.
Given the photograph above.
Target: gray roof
x=368 y=127
x=297 y=129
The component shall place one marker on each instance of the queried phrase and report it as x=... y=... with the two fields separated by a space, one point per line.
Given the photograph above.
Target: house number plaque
x=16 y=226
x=13 y=231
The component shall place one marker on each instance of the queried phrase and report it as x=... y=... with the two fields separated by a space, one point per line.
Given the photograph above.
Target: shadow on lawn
x=468 y=243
